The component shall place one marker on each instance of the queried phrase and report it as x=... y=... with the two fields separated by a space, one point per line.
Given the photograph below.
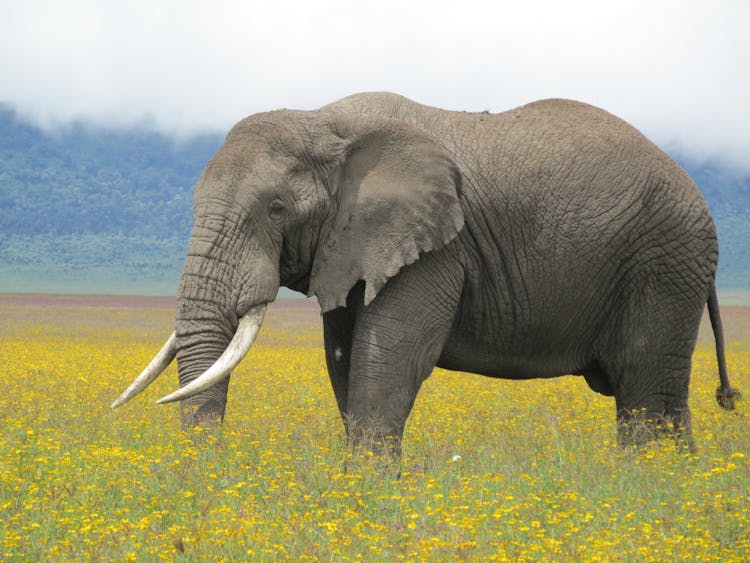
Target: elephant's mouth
x=240 y=344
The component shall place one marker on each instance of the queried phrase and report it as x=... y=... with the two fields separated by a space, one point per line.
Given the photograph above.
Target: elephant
x=546 y=240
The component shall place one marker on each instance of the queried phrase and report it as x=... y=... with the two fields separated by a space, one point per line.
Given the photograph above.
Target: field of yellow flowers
x=492 y=470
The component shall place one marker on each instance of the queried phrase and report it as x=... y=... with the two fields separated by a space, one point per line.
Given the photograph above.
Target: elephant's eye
x=276 y=209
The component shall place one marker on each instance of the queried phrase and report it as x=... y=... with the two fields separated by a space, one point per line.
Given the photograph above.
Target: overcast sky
x=677 y=69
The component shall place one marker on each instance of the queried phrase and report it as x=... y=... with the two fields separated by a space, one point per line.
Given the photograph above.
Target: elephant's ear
x=397 y=192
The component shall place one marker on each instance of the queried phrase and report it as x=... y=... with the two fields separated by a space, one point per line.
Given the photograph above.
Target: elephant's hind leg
x=648 y=365
x=654 y=415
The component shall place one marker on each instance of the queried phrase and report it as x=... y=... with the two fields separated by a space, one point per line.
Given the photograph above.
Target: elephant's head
x=314 y=201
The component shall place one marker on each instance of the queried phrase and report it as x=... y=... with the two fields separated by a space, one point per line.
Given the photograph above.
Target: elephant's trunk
x=243 y=339
x=205 y=355
x=220 y=308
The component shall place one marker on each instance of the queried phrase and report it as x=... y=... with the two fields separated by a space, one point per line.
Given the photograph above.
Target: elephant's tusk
x=152 y=371
x=238 y=347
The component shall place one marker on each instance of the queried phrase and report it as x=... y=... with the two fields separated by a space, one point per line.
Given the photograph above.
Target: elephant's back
x=577 y=146
x=568 y=164
x=572 y=201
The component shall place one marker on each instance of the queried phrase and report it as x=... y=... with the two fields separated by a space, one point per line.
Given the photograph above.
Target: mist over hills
x=87 y=209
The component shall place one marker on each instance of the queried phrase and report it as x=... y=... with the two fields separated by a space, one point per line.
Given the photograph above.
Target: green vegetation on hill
x=97 y=181
x=91 y=209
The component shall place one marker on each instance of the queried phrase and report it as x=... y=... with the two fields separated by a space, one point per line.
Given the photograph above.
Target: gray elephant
x=547 y=240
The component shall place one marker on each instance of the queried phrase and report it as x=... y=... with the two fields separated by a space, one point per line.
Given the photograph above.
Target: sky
x=679 y=70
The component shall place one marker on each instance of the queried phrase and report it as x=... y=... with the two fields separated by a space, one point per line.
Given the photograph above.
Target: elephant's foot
x=206 y=415
x=379 y=451
x=374 y=439
x=638 y=427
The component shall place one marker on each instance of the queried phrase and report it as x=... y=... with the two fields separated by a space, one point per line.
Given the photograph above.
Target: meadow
x=492 y=469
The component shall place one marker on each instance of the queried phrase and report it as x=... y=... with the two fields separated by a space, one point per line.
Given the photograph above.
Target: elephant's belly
x=477 y=357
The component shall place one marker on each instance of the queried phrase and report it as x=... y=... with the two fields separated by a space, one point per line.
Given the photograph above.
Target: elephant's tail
x=726 y=395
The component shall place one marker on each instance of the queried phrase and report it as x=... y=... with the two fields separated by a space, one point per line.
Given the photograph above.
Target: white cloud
x=676 y=69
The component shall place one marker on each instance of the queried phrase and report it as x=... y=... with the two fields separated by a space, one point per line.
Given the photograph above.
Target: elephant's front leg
x=397 y=341
x=338 y=328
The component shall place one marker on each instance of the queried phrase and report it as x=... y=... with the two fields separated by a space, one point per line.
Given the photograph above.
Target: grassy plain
x=493 y=470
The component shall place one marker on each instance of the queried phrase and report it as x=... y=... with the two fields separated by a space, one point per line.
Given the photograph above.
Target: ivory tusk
x=152 y=371
x=238 y=347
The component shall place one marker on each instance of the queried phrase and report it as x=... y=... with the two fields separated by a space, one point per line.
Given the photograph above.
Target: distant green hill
x=88 y=209
x=95 y=210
